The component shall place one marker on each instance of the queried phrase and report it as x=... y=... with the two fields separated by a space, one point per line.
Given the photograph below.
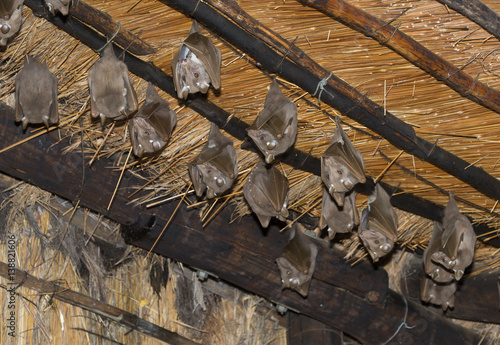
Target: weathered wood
x=476 y=298
x=389 y=36
x=239 y=254
x=478 y=12
x=302 y=330
x=21 y=278
x=236 y=127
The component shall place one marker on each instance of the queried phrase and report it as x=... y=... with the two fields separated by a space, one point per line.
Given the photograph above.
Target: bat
x=111 y=94
x=151 y=127
x=36 y=94
x=266 y=191
x=297 y=262
x=379 y=224
x=342 y=165
x=458 y=241
x=442 y=294
x=437 y=272
x=196 y=64
x=338 y=219
x=215 y=168
x=11 y=18
x=59 y=5
x=275 y=128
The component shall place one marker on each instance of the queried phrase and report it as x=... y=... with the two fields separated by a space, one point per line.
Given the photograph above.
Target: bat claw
x=458 y=274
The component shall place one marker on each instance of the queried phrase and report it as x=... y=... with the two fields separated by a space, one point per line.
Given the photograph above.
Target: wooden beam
x=234 y=126
x=16 y=278
x=302 y=330
x=352 y=299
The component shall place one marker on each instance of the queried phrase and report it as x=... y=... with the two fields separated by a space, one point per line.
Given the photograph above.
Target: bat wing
x=197 y=178
x=348 y=156
x=273 y=184
x=433 y=247
x=161 y=118
x=206 y=52
x=381 y=215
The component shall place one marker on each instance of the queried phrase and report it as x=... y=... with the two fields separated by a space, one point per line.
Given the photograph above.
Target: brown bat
x=458 y=241
x=111 y=94
x=297 y=262
x=215 y=168
x=266 y=191
x=59 y=5
x=342 y=165
x=36 y=94
x=437 y=272
x=151 y=127
x=379 y=224
x=442 y=294
x=338 y=219
x=275 y=128
x=11 y=18
x=196 y=65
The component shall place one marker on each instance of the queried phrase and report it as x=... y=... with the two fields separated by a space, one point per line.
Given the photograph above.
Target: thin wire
x=402 y=324
x=321 y=87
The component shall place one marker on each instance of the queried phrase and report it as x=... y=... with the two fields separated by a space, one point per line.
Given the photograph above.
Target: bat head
x=377 y=244
x=145 y=139
x=336 y=175
x=216 y=182
x=11 y=12
x=192 y=74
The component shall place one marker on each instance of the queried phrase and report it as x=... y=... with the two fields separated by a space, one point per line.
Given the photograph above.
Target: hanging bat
x=342 y=165
x=196 y=65
x=437 y=272
x=111 y=94
x=379 y=224
x=11 y=18
x=458 y=241
x=215 y=168
x=36 y=94
x=442 y=294
x=297 y=262
x=338 y=219
x=275 y=128
x=59 y=5
x=151 y=127
x=266 y=191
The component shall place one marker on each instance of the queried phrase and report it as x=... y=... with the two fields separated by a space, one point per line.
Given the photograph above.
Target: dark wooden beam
x=234 y=126
x=352 y=299
x=302 y=330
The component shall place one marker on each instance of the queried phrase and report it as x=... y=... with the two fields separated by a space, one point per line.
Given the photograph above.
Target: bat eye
x=339 y=172
x=7 y=16
x=289 y=273
x=196 y=75
x=377 y=242
x=305 y=271
x=210 y=171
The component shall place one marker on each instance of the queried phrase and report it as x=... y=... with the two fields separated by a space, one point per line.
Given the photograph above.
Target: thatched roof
x=429 y=99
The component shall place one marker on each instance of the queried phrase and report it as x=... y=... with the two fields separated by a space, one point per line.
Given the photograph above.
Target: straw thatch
x=436 y=112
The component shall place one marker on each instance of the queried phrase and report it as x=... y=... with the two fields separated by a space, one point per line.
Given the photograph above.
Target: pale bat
x=36 y=94
x=458 y=241
x=152 y=126
x=111 y=93
x=338 y=219
x=379 y=224
x=342 y=166
x=215 y=168
x=275 y=128
x=11 y=18
x=297 y=262
x=196 y=64
x=266 y=191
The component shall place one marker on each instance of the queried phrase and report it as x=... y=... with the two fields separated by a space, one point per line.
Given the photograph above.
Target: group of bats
x=450 y=252
x=196 y=66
